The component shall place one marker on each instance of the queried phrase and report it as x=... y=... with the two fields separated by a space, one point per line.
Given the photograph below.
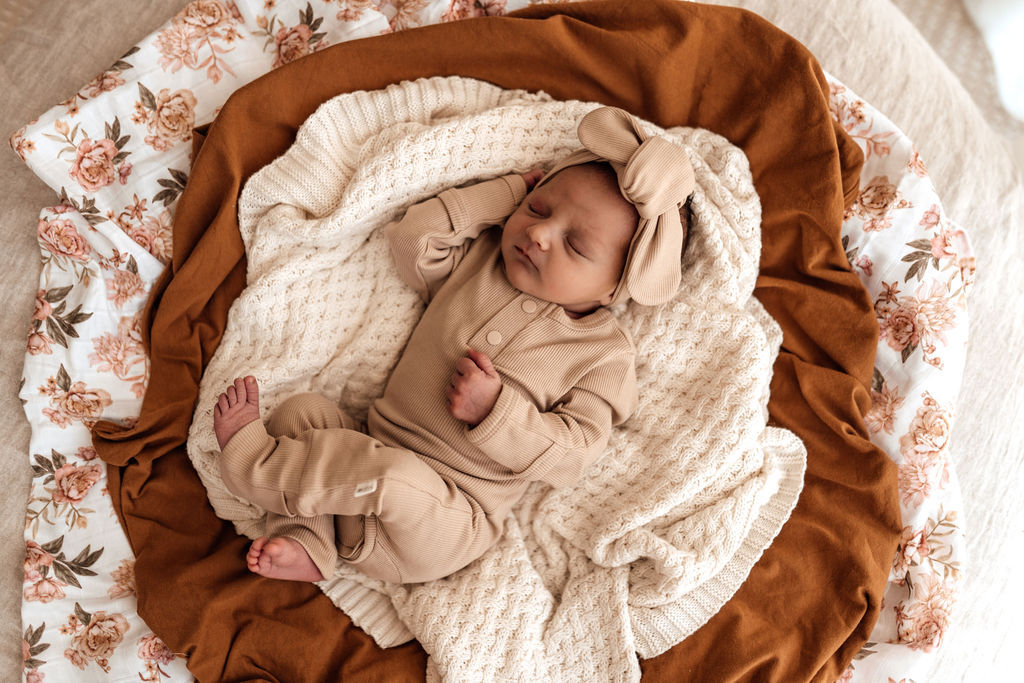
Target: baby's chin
x=513 y=273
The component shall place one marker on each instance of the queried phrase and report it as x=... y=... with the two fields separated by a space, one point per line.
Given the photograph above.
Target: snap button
x=494 y=337
x=529 y=305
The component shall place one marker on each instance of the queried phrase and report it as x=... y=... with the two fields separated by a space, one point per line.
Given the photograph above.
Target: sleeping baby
x=516 y=372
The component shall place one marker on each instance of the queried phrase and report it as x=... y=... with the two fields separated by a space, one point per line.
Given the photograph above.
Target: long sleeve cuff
x=483 y=204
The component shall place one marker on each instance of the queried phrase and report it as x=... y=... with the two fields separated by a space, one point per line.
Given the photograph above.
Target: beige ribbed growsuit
x=425 y=495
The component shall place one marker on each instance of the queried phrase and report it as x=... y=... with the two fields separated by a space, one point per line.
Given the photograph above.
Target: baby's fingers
x=481 y=360
x=465 y=367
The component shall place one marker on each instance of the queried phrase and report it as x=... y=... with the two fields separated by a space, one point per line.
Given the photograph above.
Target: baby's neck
x=577 y=315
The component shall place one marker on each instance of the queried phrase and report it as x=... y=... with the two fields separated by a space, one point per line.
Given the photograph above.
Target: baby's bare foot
x=281 y=558
x=236 y=407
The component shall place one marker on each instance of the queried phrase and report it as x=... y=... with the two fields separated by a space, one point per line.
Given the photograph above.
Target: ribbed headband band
x=656 y=177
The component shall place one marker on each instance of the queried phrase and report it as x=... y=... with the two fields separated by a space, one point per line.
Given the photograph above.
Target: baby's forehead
x=595 y=190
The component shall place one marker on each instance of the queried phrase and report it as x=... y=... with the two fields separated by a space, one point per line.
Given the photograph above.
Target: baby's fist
x=473 y=389
x=532 y=177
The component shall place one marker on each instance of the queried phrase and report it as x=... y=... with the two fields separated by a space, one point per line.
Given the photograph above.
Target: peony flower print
x=38 y=343
x=123 y=354
x=35 y=557
x=96 y=637
x=352 y=10
x=885 y=403
x=169 y=116
x=876 y=202
x=123 y=286
x=197 y=37
x=292 y=42
x=124 y=580
x=45 y=589
x=74 y=481
x=921 y=320
x=152 y=648
x=923 y=623
x=924 y=449
x=465 y=9
x=73 y=401
x=60 y=237
x=94 y=164
x=929 y=431
x=65 y=485
x=97 y=162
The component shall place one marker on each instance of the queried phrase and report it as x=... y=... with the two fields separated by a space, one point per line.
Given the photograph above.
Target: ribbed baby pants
x=340 y=492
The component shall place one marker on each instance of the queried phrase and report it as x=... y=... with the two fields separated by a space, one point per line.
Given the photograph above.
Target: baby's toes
x=239 y=387
x=252 y=390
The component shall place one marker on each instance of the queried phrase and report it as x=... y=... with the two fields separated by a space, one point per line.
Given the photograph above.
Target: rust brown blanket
x=808 y=605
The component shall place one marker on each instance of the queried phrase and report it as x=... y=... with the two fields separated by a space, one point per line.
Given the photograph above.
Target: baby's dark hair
x=686 y=219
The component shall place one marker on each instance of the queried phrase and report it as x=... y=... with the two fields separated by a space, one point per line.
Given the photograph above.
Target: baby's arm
x=557 y=445
x=430 y=240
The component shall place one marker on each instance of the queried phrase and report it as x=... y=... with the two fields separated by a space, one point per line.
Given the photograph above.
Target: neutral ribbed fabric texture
x=314 y=474
x=662 y=529
x=565 y=381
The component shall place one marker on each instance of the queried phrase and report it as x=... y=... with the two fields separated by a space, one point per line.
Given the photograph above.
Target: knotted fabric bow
x=655 y=176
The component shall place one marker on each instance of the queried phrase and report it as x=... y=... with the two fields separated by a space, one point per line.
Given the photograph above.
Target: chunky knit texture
x=662 y=530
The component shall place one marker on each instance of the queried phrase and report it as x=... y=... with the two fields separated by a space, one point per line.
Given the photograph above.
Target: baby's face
x=567 y=241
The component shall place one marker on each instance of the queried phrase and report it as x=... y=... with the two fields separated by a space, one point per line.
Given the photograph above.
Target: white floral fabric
x=117 y=154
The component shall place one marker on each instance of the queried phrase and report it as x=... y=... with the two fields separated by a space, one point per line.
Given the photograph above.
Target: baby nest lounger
x=128 y=571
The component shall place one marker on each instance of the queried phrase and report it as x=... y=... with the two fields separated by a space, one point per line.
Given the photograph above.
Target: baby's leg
x=295 y=549
x=268 y=464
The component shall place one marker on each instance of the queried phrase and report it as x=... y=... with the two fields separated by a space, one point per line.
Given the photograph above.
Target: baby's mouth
x=523 y=254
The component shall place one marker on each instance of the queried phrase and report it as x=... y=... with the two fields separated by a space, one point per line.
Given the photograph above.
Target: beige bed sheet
x=49 y=48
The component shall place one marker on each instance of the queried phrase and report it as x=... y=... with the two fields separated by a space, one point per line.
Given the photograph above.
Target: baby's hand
x=474 y=388
x=532 y=177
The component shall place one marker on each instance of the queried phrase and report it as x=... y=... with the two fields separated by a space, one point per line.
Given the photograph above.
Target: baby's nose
x=539 y=234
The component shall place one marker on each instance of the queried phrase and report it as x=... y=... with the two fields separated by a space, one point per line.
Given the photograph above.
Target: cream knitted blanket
x=662 y=530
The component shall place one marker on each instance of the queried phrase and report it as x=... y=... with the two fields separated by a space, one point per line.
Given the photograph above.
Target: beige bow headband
x=656 y=177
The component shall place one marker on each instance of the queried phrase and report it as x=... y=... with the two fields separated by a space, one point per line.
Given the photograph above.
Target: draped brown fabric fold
x=809 y=603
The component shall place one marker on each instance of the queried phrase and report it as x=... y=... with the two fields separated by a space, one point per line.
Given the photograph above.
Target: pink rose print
x=884 y=404
x=94 y=165
x=39 y=343
x=74 y=481
x=96 y=639
x=923 y=624
x=292 y=43
x=35 y=557
x=123 y=286
x=43 y=307
x=60 y=237
x=44 y=590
